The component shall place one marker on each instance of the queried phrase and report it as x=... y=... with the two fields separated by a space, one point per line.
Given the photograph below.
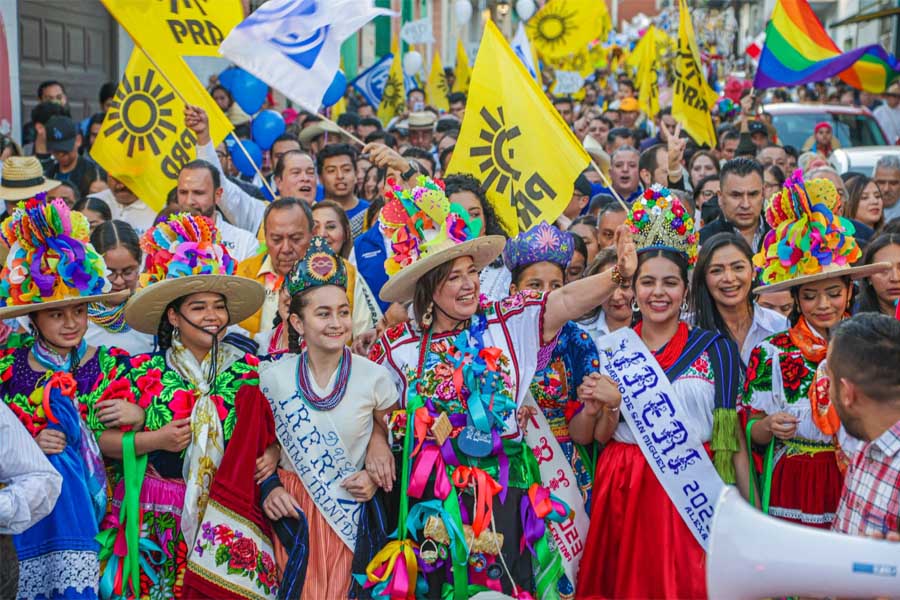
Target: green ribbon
x=768 y=467
x=549 y=566
x=458 y=552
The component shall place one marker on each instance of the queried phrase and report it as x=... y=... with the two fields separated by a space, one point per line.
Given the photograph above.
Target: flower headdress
x=185 y=245
x=321 y=266
x=659 y=220
x=541 y=243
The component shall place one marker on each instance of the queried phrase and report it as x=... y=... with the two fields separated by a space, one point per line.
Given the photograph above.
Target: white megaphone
x=752 y=555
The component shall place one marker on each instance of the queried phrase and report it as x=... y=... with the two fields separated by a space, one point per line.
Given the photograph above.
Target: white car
x=860 y=159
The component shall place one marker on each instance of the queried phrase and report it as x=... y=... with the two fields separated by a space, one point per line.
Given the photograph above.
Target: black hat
x=61 y=133
x=582 y=185
x=758 y=127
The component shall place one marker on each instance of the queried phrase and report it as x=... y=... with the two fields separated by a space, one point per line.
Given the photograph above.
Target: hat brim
x=314 y=131
x=243 y=297
x=851 y=272
x=401 y=285
x=24 y=193
x=11 y=312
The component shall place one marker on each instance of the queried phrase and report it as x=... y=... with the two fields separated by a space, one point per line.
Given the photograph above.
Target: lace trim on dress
x=51 y=575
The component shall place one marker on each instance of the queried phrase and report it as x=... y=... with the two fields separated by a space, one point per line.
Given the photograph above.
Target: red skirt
x=806 y=489
x=638 y=545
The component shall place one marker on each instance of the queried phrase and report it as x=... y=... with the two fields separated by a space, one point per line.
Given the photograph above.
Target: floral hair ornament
x=319 y=267
x=809 y=240
x=659 y=221
x=50 y=263
x=541 y=243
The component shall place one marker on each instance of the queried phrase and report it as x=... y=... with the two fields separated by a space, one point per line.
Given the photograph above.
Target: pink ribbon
x=429 y=458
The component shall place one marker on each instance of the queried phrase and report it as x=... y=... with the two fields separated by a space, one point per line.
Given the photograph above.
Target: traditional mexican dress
x=107 y=327
x=58 y=555
x=806 y=481
x=328 y=445
x=638 y=545
x=555 y=389
x=425 y=373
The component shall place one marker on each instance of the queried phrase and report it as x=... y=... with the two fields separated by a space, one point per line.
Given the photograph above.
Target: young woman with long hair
x=880 y=291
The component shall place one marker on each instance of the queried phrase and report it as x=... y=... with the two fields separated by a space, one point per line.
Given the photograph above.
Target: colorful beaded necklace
x=304 y=382
x=110 y=319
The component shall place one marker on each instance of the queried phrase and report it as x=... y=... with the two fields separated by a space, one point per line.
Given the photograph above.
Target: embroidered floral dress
x=59 y=551
x=554 y=388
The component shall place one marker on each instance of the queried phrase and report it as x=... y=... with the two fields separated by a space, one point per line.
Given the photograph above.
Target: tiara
x=659 y=220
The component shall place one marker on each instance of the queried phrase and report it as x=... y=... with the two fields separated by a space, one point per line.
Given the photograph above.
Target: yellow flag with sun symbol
x=514 y=141
x=462 y=73
x=692 y=99
x=143 y=141
x=393 y=97
x=436 y=88
x=564 y=27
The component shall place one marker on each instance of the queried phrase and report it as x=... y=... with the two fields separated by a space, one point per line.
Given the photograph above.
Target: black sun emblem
x=392 y=95
x=138 y=114
x=551 y=28
x=188 y=5
x=496 y=167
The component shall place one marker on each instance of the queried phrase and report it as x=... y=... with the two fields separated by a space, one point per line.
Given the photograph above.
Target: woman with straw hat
x=809 y=251
x=205 y=432
x=463 y=370
x=57 y=385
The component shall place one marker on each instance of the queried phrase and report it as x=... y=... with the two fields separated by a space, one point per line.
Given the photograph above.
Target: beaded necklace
x=110 y=319
x=304 y=382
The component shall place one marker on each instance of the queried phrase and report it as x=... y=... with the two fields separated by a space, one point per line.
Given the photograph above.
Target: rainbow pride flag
x=798 y=51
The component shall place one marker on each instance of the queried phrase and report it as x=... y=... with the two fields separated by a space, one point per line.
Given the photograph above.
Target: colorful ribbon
x=486 y=487
x=395 y=565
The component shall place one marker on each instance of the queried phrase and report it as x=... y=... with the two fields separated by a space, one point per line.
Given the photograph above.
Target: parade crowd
x=356 y=388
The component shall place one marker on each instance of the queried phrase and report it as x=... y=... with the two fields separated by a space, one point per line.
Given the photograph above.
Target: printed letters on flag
x=693 y=98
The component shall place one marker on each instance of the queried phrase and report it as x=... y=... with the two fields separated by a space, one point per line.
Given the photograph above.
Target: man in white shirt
x=125 y=206
x=199 y=190
x=888 y=114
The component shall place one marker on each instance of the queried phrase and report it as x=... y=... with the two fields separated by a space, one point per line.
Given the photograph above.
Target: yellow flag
x=514 y=140
x=393 y=98
x=143 y=141
x=645 y=59
x=565 y=27
x=436 y=88
x=169 y=30
x=461 y=72
x=693 y=98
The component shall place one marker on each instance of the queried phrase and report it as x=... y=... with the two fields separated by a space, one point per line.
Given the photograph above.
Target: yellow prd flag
x=693 y=98
x=436 y=88
x=565 y=27
x=143 y=141
x=393 y=98
x=461 y=72
x=169 y=30
x=645 y=59
x=514 y=140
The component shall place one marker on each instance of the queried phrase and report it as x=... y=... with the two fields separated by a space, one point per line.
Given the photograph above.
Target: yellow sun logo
x=499 y=155
x=392 y=95
x=552 y=26
x=138 y=113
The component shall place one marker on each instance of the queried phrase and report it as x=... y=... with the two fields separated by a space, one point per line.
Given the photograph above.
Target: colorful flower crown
x=541 y=243
x=658 y=219
x=808 y=232
x=185 y=245
x=422 y=220
x=321 y=266
x=727 y=108
x=50 y=256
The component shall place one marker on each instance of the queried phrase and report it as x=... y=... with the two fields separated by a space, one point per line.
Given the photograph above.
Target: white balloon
x=525 y=9
x=463 y=10
x=412 y=63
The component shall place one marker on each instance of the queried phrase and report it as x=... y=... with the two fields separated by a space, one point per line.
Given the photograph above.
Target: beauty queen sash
x=558 y=476
x=310 y=440
x=651 y=408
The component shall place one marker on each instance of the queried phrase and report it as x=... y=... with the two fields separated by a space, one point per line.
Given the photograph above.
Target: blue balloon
x=336 y=90
x=266 y=127
x=248 y=91
x=226 y=77
x=240 y=160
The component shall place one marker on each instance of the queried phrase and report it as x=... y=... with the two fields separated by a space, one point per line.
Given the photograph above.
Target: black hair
x=420 y=156
x=332 y=150
x=166 y=330
x=791 y=151
x=380 y=174
x=628 y=82
x=868 y=299
x=96 y=119
x=678 y=258
x=382 y=136
x=706 y=312
x=464 y=182
x=95 y=205
x=589 y=220
x=107 y=91
x=72 y=187
x=606 y=257
x=619 y=132
x=741 y=167
x=557 y=100
x=113 y=234
x=729 y=134
x=44 y=111
x=348 y=119
x=281 y=163
x=599 y=202
x=370 y=122
x=445 y=124
x=795 y=315
x=701 y=184
x=776 y=172
x=666 y=110
x=866 y=350
x=648 y=159
x=345 y=224
x=221 y=87
x=286 y=137
x=45 y=84
x=415 y=89
x=445 y=153
x=580 y=247
x=289 y=202
x=298 y=303
x=423 y=295
x=199 y=163
x=517 y=272
x=456 y=98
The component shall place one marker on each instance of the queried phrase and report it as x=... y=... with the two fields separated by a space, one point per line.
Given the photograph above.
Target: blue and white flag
x=522 y=47
x=295 y=45
x=370 y=83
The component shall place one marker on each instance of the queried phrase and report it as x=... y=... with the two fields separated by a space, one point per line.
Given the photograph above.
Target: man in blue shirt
x=336 y=165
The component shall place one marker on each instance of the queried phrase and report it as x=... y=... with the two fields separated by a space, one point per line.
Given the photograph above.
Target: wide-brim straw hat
x=243 y=297
x=316 y=129
x=831 y=271
x=23 y=178
x=483 y=250
x=11 y=312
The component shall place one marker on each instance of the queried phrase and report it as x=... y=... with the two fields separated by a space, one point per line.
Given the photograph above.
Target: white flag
x=522 y=47
x=295 y=45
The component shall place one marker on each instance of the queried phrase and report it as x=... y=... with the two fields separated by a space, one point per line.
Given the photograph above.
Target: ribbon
x=422 y=425
x=396 y=566
x=65 y=383
x=535 y=508
x=419 y=514
x=486 y=487
x=430 y=458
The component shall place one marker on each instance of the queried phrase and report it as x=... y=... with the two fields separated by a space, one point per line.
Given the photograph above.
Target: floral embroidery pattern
x=238 y=553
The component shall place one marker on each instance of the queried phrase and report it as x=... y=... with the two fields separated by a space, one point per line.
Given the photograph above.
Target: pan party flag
x=564 y=27
x=169 y=30
x=693 y=98
x=462 y=73
x=143 y=141
x=393 y=96
x=514 y=140
x=436 y=88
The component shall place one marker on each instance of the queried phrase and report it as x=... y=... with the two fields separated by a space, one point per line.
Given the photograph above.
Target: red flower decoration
x=137 y=361
x=118 y=389
x=252 y=360
x=150 y=386
x=793 y=371
x=243 y=554
x=182 y=403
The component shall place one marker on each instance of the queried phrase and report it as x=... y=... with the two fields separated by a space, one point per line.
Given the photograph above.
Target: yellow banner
x=564 y=27
x=693 y=98
x=143 y=141
x=393 y=98
x=514 y=141
x=461 y=73
x=436 y=88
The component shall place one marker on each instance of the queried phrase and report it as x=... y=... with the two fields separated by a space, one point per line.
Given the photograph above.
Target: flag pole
x=231 y=133
x=609 y=186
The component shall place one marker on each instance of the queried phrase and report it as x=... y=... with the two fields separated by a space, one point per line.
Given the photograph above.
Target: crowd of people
x=335 y=392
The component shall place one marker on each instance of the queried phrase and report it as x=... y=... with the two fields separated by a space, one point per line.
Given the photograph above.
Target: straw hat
x=421 y=120
x=23 y=178
x=185 y=256
x=595 y=151
x=319 y=128
x=809 y=240
x=427 y=231
x=53 y=238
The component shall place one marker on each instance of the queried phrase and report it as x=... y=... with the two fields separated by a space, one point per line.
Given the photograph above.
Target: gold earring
x=428 y=317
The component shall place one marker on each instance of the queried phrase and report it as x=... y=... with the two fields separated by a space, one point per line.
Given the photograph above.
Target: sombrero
x=23 y=178
x=426 y=231
x=50 y=262
x=313 y=131
x=809 y=240
x=184 y=256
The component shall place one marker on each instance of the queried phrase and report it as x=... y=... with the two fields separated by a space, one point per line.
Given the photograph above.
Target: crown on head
x=320 y=266
x=658 y=219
